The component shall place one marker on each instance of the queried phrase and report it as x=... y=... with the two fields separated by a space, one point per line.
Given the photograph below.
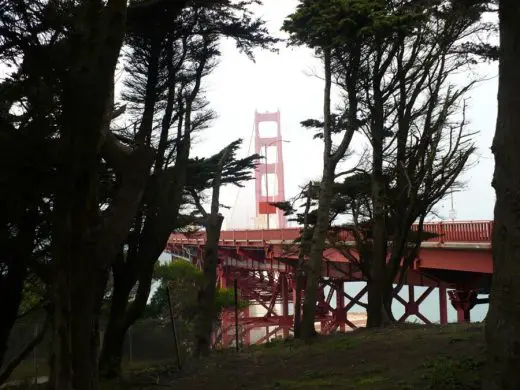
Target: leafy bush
x=185 y=279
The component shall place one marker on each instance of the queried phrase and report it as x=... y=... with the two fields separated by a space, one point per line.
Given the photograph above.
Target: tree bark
x=206 y=295
x=503 y=319
x=313 y=269
x=304 y=245
x=77 y=303
x=162 y=213
x=112 y=351
x=139 y=268
x=376 y=312
x=12 y=283
x=298 y=302
x=11 y=296
x=84 y=239
x=376 y=285
x=330 y=161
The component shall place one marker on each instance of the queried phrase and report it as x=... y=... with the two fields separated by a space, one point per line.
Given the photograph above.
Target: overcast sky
x=284 y=81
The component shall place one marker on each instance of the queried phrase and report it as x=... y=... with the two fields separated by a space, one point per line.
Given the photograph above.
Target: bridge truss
x=456 y=265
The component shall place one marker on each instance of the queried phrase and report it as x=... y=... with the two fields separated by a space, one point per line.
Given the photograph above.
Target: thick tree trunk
x=298 y=303
x=112 y=352
x=113 y=341
x=313 y=269
x=11 y=285
x=111 y=355
x=388 y=299
x=376 y=289
x=376 y=313
x=77 y=302
x=11 y=289
x=139 y=269
x=503 y=320
x=206 y=295
x=85 y=240
x=122 y=316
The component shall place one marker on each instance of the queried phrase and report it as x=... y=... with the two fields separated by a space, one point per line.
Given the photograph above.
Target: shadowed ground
x=407 y=357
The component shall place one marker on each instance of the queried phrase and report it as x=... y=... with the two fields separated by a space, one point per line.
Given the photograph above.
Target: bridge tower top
x=269 y=175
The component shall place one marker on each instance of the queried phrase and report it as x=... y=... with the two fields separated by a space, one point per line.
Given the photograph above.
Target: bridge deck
x=459 y=246
x=448 y=233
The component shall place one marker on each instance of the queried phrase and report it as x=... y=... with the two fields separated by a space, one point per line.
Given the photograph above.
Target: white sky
x=238 y=87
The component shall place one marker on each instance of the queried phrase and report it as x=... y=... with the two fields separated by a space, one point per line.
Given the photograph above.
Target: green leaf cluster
x=337 y=23
x=185 y=280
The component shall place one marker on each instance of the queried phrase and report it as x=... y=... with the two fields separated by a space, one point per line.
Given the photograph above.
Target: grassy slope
x=411 y=357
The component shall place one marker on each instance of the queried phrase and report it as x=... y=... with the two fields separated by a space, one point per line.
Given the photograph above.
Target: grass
x=402 y=358
x=405 y=358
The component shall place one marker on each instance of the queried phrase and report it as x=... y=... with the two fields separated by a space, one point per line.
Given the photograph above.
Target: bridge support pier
x=340 y=314
x=285 y=304
x=443 y=305
x=463 y=300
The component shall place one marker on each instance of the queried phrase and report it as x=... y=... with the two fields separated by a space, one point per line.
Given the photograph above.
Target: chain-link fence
x=148 y=342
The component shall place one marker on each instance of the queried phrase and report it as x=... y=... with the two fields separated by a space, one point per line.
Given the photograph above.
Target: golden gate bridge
x=456 y=264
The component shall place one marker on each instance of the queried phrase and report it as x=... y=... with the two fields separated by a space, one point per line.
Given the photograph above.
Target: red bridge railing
x=471 y=231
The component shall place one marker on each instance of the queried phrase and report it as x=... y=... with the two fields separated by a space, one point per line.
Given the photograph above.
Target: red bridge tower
x=265 y=169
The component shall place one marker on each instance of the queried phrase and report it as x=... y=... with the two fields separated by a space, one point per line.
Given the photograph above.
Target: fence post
x=177 y=349
x=34 y=357
x=235 y=287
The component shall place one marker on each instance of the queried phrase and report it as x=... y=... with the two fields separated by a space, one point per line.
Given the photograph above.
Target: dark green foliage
x=391 y=61
x=185 y=280
x=201 y=171
x=172 y=47
x=323 y=23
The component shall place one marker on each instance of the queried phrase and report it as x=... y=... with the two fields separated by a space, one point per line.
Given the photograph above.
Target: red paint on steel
x=263 y=262
x=266 y=168
x=463 y=232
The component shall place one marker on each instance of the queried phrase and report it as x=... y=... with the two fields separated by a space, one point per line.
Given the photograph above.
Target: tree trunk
x=298 y=303
x=388 y=299
x=375 y=306
x=304 y=245
x=111 y=356
x=113 y=341
x=122 y=316
x=151 y=243
x=77 y=303
x=503 y=320
x=136 y=270
x=376 y=311
x=313 y=269
x=11 y=289
x=12 y=283
x=206 y=295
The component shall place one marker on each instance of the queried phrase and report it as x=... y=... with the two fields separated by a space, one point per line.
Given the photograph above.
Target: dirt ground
x=408 y=357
